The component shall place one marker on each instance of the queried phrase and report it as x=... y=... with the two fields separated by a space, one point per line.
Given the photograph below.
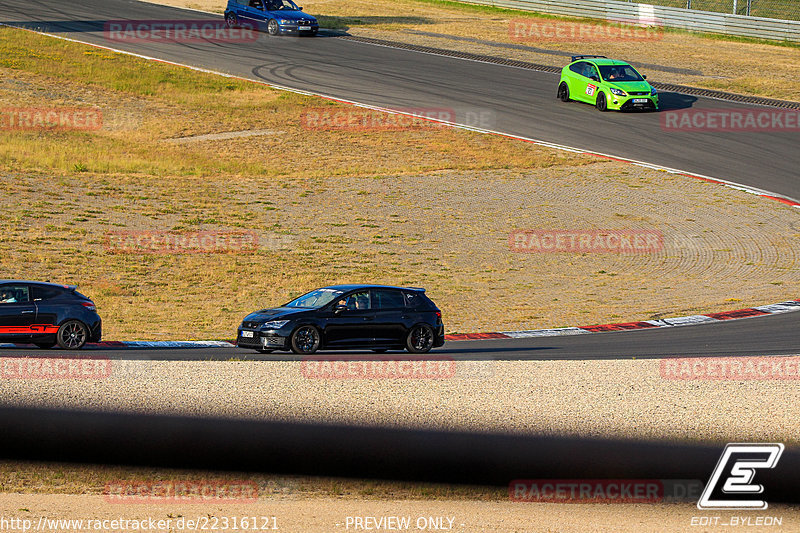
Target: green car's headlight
x=275 y=324
x=618 y=92
x=653 y=91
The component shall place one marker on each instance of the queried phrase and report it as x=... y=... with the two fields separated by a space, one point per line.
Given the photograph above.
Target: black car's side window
x=412 y=300
x=388 y=299
x=358 y=301
x=45 y=293
x=11 y=294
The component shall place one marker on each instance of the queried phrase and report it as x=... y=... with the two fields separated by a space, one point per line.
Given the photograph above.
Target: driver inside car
x=6 y=297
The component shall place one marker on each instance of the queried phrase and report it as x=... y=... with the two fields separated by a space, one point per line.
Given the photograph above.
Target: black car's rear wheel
x=72 y=335
x=602 y=104
x=272 y=27
x=231 y=21
x=563 y=92
x=44 y=345
x=420 y=339
x=305 y=340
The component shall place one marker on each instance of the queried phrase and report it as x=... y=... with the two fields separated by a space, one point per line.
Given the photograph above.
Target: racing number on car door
x=591 y=88
x=579 y=77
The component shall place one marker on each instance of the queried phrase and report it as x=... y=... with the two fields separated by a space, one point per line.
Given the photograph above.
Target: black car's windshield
x=619 y=73
x=314 y=299
x=285 y=5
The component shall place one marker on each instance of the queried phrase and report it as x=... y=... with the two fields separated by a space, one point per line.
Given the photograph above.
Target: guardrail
x=671 y=17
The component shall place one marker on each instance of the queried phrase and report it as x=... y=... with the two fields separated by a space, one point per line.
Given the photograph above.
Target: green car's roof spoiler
x=575 y=58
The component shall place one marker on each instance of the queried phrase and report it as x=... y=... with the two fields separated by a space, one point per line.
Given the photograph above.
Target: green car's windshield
x=619 y=73
x=315 y=299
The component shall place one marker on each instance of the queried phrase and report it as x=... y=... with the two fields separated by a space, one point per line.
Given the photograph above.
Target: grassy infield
x=64 y=190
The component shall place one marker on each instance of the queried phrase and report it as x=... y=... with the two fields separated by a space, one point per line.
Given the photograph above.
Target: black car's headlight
x=275 y=324
x=618 y=92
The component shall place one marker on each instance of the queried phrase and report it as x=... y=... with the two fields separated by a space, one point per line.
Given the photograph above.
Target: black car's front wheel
x=305 y=340
x=72 y=335
x=272 y=27
x=563 y=92
x=420 y=339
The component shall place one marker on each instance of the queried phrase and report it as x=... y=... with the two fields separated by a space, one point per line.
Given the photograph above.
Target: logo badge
x=732 y=480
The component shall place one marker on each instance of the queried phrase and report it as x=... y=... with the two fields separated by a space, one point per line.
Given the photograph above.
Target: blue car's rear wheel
x=231 y=21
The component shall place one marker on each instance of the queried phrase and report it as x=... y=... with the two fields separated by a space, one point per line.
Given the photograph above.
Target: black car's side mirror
x=339 y=308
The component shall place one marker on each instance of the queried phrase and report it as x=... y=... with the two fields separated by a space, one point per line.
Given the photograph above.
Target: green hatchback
x=606 y=84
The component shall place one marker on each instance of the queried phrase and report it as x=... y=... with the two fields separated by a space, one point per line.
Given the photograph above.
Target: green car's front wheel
x=602 y=103
x=563 y=92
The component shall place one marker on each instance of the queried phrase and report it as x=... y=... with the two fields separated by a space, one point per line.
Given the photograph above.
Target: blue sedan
x=276 y=17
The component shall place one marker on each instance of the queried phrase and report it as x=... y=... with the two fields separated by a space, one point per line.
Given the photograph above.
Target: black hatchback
x=376 y=317
x=47 y=314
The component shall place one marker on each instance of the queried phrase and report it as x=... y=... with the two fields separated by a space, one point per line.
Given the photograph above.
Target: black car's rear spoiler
x=575 y=58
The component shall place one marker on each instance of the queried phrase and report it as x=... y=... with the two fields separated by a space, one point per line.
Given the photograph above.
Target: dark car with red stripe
x=46 y=314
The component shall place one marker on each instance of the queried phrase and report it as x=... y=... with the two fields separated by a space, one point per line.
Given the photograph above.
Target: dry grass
x=427 y=207
x=728 y=64
x=58 y=478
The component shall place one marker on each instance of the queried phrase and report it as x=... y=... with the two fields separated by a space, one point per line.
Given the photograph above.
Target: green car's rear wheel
x=602 y=104
x=563 y=92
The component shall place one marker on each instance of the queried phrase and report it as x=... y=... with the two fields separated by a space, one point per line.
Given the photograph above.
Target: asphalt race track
x=518 y=101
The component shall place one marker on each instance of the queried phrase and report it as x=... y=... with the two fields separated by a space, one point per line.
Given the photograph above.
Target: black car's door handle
x=369 y=318
x=26 y=312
